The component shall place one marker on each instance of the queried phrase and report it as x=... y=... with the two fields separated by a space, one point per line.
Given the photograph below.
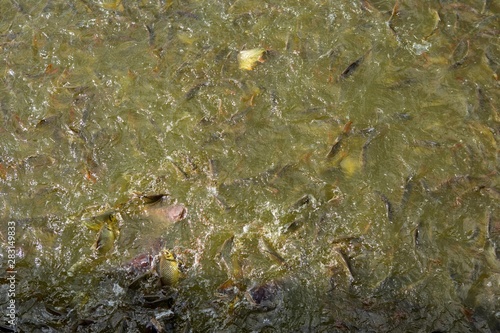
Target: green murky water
x=104 y=104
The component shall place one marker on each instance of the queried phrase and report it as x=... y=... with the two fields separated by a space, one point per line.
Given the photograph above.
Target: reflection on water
x=348 y=182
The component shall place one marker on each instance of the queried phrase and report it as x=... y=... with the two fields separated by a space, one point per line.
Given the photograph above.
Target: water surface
x=396 y=229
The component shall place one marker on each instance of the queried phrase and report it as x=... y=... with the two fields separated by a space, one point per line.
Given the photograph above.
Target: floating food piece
x=248 y=59
x=168 y=268
x=155 y=325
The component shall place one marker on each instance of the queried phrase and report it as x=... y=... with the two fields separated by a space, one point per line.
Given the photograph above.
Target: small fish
x=292 y=226
x=105 y=240
x=151 y=34
x=460 y=53
x=153 y=198
x=178 y=167
x=493 y=228
x=304 y=200
x=394 y=13
x=213 y=172
x=107 y=234
x=338 y=141
x=335 y=147
x=345 y=261
x=221 y=202
x=229 y=288
x=407 y=189
x=193 y=91
x=492 y=61
x=351 y=68
x=168 y=268
x=373 y=134
x=266 y=248
x=277 y=173
x=224 y=254
x=388 y=206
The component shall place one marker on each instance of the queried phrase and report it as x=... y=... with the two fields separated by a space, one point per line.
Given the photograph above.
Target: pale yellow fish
x=168 y=268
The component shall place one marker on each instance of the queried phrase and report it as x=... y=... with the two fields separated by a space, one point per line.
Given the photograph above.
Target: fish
x=175 y=212
x=394 y=13
x=105 y=240
x=338 y=141
x=304 y=200
x=167 y=214
x=151 y=34
x=351 y=68
x=292 y=226
x=492 y=61
x=224 y=254
x=388 y=206
x=178 y=167
x=193 y=91
x=335 y=147
x=168 y=268
x=407 y=189
x=153 y=198
x=345 y=262
x=460 y=54
x=107 y=235
x=266 y=248
x=229 y=261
